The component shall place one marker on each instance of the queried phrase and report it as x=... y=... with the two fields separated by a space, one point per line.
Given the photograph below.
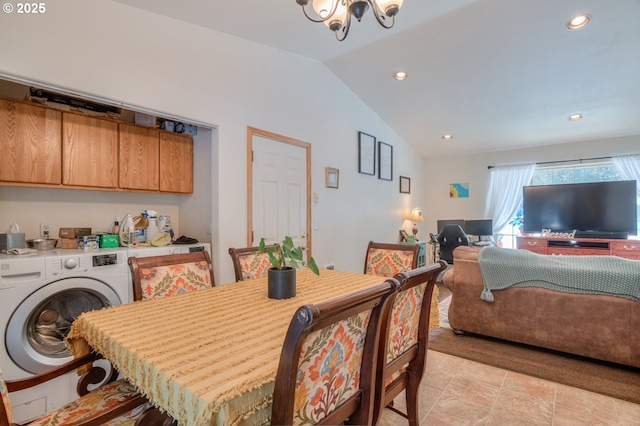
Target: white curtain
x=629 y=168
x=505 y=193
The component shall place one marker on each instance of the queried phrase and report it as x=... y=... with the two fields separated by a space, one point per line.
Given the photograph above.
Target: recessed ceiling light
x=400 y=75
x=447 y=137
x=575 y=117
x=578 y=21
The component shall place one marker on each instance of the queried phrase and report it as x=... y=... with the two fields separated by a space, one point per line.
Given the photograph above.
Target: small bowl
x=42 y=243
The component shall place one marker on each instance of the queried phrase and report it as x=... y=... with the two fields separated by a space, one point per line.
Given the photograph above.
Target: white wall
x=472 y=169
x=115 y=52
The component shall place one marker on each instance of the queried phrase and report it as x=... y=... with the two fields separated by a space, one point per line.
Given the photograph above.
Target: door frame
x=251 y=132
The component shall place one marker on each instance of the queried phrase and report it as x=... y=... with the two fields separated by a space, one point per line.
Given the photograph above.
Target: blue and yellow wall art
x=459 y=190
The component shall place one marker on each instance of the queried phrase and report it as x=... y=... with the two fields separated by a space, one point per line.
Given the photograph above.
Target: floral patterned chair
x=160 y=276
x=387 y=260
x=404 y=336
x=248 y=264
x=326 y=370
x=115 y=403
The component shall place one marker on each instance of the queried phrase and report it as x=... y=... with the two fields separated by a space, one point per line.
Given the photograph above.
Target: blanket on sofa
x=502 y=268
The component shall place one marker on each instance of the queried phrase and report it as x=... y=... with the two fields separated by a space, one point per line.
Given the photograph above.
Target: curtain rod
x=559 y=161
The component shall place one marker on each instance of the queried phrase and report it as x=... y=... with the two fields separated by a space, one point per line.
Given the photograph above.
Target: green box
x=107 y=241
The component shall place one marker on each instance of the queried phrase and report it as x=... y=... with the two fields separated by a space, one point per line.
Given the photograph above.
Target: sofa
x=599 y=326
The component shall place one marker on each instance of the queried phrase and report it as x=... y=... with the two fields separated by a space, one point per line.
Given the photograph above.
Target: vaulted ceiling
x=495 y=74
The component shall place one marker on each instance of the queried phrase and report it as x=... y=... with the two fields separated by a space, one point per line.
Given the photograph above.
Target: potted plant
x=517 y=222
x=285 y=258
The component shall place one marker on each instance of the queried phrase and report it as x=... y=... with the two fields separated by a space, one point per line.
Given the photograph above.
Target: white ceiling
x=496 y=74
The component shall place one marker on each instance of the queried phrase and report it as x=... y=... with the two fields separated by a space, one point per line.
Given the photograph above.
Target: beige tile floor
x=455 y=391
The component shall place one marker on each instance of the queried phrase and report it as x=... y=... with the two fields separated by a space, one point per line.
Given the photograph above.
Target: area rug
x=604 y=378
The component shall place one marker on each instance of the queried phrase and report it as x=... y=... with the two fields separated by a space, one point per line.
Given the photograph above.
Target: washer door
x=37 y=329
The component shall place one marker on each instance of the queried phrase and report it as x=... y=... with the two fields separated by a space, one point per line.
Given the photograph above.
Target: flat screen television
x=594 y=210
x=481 y=227
x=441 y=223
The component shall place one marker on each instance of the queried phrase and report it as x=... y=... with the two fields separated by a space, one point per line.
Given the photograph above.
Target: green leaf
x=296 y=253
x=312 y=265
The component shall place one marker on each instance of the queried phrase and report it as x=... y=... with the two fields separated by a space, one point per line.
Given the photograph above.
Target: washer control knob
x=70 y=263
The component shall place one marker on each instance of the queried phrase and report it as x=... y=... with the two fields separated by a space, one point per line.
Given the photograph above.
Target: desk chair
x=404 y=334
x=388 y=260
x=114 y=403
x=326 y=373
x=248 y=263
x=160 y=276
x=449 y=238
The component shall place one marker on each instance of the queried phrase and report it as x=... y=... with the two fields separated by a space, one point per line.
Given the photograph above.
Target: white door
x=279 y=190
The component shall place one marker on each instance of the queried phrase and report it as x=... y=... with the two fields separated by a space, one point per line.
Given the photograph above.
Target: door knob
x=303 y=235
x=304 y=247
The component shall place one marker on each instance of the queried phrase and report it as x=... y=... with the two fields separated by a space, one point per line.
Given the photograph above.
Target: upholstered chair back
x=387 y=260
x=404 y=334
x=161 y=276
x=327 y=366
x=248 y=264
x=5 y=407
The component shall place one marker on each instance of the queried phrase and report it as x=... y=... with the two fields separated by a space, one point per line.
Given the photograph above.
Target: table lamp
x=415 y=216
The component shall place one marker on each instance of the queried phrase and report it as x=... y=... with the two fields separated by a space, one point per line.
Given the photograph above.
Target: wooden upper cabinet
x=30 y=142
x=139 y=158
x=89 y=151
x=176 y=163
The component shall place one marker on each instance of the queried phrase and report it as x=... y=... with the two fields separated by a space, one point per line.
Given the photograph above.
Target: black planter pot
x=282 y=283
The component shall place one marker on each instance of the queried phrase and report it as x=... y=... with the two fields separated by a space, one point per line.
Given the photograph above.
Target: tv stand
x=629 y=249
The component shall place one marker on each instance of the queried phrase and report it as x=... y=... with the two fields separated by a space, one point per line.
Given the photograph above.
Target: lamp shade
x=416 y=215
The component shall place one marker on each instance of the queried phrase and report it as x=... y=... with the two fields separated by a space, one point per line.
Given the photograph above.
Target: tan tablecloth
x=211 y=356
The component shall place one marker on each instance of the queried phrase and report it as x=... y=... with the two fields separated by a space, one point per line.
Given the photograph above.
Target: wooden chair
x=248 y=263
x=160 y=276
x=115 y=402
x=388 y=260
x=326 y=373
x=403 y=345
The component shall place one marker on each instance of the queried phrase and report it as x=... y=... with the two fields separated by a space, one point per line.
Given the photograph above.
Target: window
x=559 y=174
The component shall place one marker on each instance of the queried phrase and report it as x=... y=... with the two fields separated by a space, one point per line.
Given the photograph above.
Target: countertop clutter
x=146 y=229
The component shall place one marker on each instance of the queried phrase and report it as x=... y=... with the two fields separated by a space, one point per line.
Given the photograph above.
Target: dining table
x=207 y=357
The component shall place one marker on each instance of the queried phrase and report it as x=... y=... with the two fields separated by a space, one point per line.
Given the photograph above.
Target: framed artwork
x=405 y=185
x=459 y=190
x=404 y=237
x=385 y=161
x=366 y=154
x=332 y=177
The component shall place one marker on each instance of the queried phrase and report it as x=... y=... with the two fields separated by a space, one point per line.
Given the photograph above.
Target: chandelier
x=336 y=14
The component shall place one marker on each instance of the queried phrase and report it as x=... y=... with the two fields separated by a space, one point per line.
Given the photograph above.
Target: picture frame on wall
x=405 y=185
x=332 y=177
x=366 y=154
x=385 y=161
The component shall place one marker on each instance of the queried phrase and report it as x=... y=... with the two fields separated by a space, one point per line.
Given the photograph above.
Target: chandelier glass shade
x=336 y=14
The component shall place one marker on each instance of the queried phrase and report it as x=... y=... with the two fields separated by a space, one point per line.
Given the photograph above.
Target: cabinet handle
x=626 y=247
x=532 y=243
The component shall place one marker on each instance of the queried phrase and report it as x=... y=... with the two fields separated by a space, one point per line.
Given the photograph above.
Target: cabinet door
x=89 y=151
x=30 y=142
x=139 y=158
x=176 y=163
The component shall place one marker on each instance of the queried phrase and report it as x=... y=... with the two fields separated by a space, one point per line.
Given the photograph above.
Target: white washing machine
x=41 y=295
